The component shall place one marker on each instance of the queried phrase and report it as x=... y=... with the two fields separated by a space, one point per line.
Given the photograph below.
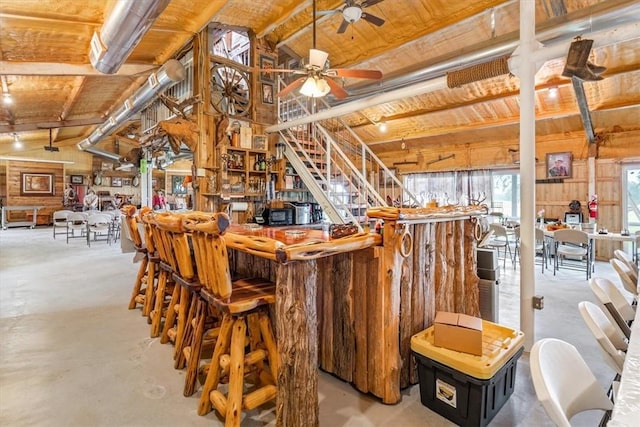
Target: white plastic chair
x=615 y=302
x=99 y=225
x=500 y=239
x=608 y=335
x=563 y=382
x=76 y=225
x=625 y=277
x=628 y=261
x=572 y=244
x=60 y=220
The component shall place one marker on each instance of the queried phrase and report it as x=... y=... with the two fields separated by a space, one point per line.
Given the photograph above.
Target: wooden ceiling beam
x=24 y=127
x=11 y=68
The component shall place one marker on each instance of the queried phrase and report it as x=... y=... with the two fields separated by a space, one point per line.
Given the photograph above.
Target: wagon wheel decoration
x=230 y=91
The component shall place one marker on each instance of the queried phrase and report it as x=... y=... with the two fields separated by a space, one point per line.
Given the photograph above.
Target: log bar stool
x=131 y=224
x=161 y=223
x=145 y=215
x=198 y=321
x=238 y=301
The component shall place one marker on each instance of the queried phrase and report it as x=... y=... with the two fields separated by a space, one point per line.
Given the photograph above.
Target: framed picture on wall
x=36 y=184
x=559 y=165
x=126 y=181
x=267 y=93
x=76 y=179
x=266 y=62
x=116 y=181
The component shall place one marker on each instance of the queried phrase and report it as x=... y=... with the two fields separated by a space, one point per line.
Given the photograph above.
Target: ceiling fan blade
x=368 y=3
x=336 y=89
x=358 y=74
x=291 y=87
x=343 y=26
x=373 y=19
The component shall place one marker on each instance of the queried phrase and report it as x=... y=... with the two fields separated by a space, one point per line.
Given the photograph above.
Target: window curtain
x=456 y=187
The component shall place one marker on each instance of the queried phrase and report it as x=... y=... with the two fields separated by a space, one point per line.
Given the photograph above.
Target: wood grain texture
x=297 y=342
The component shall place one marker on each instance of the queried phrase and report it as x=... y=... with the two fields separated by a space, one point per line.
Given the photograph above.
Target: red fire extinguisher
x=593 y=207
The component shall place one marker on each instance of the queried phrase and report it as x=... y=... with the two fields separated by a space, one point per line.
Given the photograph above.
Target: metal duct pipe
x=583 y=21
x=169 y=74
x=122 y=31
x=107 y=155
x=433 y=77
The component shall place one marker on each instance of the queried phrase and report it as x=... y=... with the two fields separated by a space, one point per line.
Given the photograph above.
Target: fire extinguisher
x=593 y=207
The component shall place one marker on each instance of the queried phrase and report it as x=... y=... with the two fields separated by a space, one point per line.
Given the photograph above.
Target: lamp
x=382 y=126
x=315 y=87
x=16 y=141
x=553 y=92
x=7 y=99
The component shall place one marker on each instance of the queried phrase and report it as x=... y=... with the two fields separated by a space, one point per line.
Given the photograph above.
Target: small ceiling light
x=7 y=99
x=553 y=92
x=315 y=87
x=382 y=126
x=16 y=141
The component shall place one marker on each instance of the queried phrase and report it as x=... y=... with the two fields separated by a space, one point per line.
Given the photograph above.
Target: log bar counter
x=351 y=305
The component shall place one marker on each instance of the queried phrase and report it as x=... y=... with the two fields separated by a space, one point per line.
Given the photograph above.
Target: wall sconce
x=515 y=156
x=16 y=141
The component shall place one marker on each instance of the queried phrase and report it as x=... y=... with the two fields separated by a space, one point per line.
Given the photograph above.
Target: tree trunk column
x=297 y=337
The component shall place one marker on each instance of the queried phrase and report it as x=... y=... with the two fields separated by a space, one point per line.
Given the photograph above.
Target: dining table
x=626 y=408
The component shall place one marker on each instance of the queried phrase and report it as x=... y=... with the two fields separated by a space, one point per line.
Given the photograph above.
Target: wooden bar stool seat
x=193 y=315
x=153 y=262
x=245 y=345
x=130 y=222
x=164 y=292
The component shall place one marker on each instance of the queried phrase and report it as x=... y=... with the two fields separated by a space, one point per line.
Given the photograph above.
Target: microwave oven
x=278 y=216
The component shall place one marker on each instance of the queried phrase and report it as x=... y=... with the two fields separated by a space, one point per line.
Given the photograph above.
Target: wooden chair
x=163 y=308
x=154 y=261
x=244 y=305
x=197 y=323
x=130 y=223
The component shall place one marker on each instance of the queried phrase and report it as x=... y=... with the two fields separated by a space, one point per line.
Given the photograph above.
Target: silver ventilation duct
x=589 y=20
x=106 y=154
x=122 y=31
x=169 y=74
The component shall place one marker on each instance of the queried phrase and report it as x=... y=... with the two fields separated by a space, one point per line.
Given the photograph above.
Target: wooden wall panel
x=49 y=203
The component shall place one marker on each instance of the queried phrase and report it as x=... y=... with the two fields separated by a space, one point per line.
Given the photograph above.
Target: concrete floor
x=72 y=354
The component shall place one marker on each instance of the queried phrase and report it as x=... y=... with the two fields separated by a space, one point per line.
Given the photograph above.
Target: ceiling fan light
x=352 y=13
x=315 y=88
x=317 y=58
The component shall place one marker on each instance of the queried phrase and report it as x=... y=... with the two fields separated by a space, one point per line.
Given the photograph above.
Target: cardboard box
x=458 y=332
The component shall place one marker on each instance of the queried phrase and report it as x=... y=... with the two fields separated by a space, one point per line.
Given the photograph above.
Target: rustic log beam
x=296 y=304
x=315 y=250
x=442 y=212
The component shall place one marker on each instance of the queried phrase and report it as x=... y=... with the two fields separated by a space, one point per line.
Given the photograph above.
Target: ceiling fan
x=317 y=80
x=352 y=12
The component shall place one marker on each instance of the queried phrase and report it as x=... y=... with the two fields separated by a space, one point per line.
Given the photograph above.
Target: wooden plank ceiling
x=44 y=64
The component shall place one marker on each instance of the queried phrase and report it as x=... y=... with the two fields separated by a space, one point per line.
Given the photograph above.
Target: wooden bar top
x=294 y=243
x=426 y=214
